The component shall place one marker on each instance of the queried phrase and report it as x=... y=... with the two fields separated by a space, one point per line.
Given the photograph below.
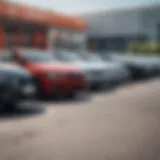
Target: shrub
x=144 y=48
x=133 y=47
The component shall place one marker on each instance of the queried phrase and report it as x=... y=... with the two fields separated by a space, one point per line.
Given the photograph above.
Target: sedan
x=16 y=85
x=117 y=73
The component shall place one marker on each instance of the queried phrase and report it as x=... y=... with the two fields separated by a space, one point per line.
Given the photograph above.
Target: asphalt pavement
x=123 y=124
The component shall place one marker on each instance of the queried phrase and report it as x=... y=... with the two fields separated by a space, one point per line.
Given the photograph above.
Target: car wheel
x=11 y=106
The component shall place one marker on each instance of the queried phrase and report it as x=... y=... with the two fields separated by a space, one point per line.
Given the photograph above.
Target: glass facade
x=119 y=43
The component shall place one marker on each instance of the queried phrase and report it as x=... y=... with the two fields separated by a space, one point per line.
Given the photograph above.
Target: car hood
x=53 y=66
x=13 y=68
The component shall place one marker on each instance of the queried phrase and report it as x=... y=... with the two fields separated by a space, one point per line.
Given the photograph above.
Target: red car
x=51 y=76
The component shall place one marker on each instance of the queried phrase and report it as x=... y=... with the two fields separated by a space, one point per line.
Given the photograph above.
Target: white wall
x=114 y=23
x=126 y=22
x=150 y=20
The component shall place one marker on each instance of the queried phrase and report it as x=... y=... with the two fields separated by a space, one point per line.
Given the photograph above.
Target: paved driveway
x=120 y=125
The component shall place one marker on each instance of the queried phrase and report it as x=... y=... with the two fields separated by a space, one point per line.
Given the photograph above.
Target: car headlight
x=52 y=75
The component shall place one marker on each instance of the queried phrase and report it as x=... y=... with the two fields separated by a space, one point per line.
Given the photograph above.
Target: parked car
x=16 y=85
x=152 y=64
x=118 y=73
x=52 y=78
x=137 y=67
x=156 y=61
x=97 y=74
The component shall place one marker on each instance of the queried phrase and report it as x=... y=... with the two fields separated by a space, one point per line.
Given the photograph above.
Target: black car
x=16 y=85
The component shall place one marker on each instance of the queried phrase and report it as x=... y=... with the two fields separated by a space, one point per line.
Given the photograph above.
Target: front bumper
x=62 y=86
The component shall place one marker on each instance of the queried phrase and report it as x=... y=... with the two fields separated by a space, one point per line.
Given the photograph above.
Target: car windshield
x=38 y=57
x=68 y=56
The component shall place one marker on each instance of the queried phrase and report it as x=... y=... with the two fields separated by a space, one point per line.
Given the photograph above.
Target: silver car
x=117 y=73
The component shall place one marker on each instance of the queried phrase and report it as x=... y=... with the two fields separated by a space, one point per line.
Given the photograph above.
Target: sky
x=83 y=6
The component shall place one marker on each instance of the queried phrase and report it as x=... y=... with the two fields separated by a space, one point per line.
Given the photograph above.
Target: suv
x=51 y=76
x=15 y=85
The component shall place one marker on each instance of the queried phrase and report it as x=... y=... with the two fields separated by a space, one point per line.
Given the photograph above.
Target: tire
x=11 y=106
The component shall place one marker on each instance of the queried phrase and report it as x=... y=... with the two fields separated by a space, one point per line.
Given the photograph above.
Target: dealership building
x=34 y=27
x=114 y=30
